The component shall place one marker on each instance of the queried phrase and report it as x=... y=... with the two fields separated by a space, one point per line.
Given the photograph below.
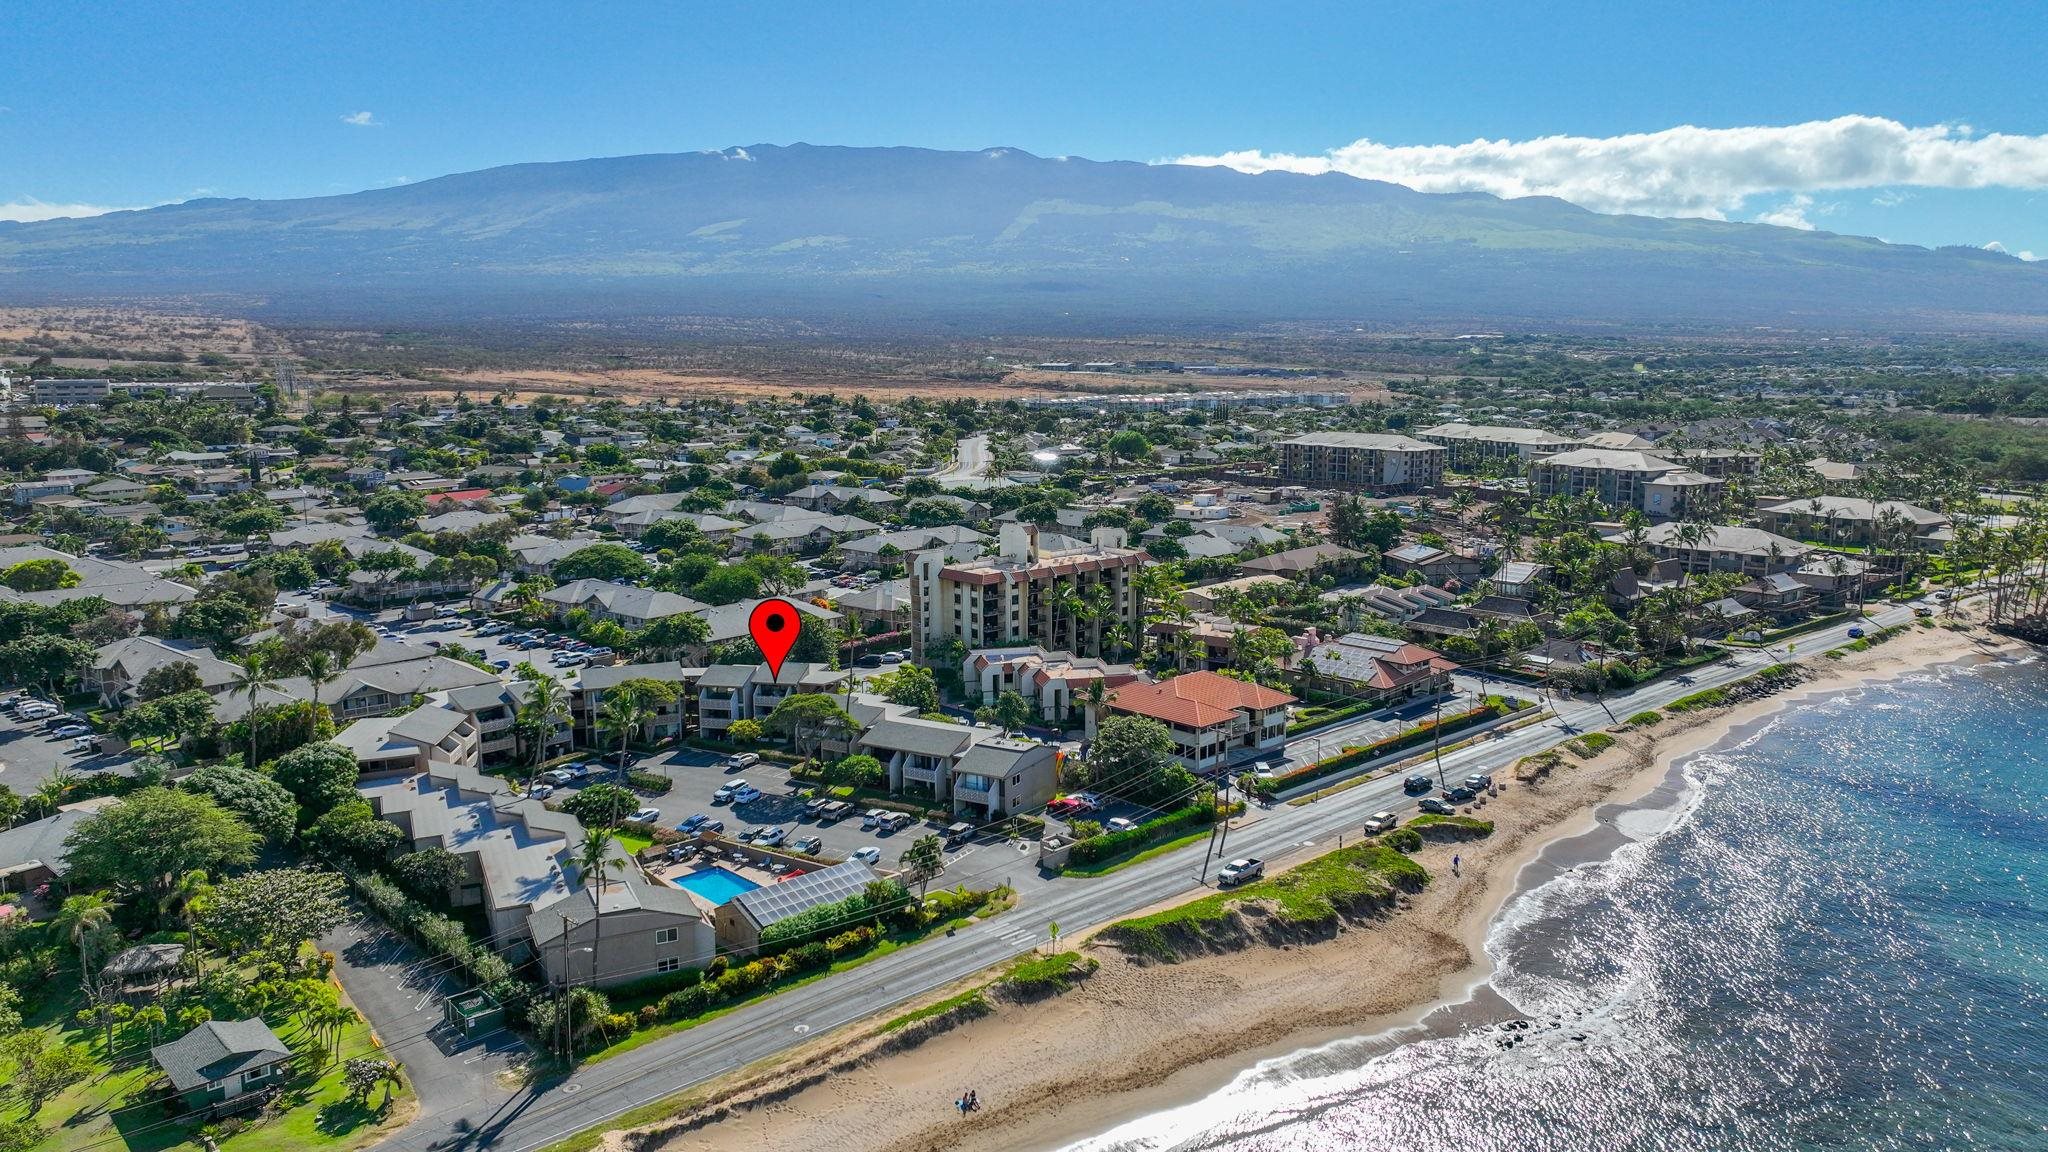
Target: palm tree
x=546 y=706
x=320 y=671
x=596 y=860
x=83 y=917
x=251 y=681
x=623 y=713
x=924 y=859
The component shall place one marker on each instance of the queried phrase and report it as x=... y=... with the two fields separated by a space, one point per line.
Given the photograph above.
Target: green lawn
x=633 y=844
x=114 y=1107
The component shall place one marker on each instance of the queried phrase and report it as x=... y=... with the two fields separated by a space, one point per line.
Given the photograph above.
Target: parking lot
x=454 y=629
x=31 y=752
x=696 y=775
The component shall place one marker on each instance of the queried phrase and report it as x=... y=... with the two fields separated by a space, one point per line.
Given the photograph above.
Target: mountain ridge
x=996 y=237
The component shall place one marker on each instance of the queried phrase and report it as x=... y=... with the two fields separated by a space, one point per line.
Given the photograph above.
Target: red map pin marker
x=774 y=625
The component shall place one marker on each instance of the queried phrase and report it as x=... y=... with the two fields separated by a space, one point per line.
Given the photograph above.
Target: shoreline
x=1136 y=1040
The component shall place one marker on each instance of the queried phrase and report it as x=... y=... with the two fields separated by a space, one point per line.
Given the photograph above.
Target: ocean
x=1829 y=933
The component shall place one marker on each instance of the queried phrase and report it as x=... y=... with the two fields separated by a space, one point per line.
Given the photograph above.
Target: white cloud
x=1891 y=198
x=1688 y=171
x=1790 y=214
x=361 y=120
x=1995 y=246
x=31 y=209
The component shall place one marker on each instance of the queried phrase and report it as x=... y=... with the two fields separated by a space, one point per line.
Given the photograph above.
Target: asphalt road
x=547 y=1112
x=970 y=462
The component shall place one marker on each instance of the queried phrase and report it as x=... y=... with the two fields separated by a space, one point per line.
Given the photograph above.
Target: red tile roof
x=1196 y=699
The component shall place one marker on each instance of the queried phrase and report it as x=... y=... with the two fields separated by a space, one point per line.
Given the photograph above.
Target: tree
x=273 y=912
x=85 y=918
x=43 y=1070
x=540 y=715
x=168 y=680
x=913 y=686
x=319 y=776
x=924 y=859
x=1129 y=444
x=604 y=562
x=175 y=718
x=809 y=716
x=363 y=1075
x=430 y=873
x=1262 y=652
x=390 y=511
x=43 y=575
x=1132 y=756
x=745 y=731
x=42 y=659
x=146 y=841
x=351 y=831
x=269 y=731
x=1353 y=525
x=602 y=805
x=251 y=681
x=1010 y=711
x=260 y=801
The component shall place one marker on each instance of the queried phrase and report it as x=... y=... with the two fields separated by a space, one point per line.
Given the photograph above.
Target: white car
x=745 y=793
x=1381 y=822
x=646 y=816
x=868 y=854
x=731 y=789
x=1118 y=824
x=73 y=730
x=540 y=791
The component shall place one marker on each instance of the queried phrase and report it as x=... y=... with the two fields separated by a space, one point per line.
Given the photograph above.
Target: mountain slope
x=904 y=235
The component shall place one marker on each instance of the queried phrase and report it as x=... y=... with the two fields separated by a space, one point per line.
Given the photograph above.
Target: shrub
x=647 y=1016
x=693 y=1001
x=653 y=782
x=1646 y=719
x=1590 y=745
x=808 y=956
x=854 y=940
x=1043 y=975
x=1402 y=840
x=1130 y=840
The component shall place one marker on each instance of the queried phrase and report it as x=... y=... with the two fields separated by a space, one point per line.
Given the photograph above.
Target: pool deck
x=667 y=874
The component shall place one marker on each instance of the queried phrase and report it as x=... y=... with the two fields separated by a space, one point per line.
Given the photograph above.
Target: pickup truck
x=1239 y=871
x=1381 y=822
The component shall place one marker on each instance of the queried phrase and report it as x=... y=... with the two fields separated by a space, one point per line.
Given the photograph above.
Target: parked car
x=959 y=834
x=869 y=661
x=746 y=793
x=728 y=790
x=739 y=761
x=772 y=837
x=1458 y=794
x=540 y=791
x=1417 y=783
x=73 y=730
x=868 y=854
x=1923 y=611
x=1436 y=807
x=1118 y=824
x=692 y=822
x=1089 y=801
x=1479 y=781
x=646 y=816
x=873 y=818
x=84 y=744
x=808 y=845
x=558 y=776
x=816 y=806
x=1856 y=633
x=709 y=826
x=1381 y=822
x=1240 y=871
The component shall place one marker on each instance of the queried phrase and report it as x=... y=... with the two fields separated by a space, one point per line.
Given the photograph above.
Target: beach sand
x=1136 y=1039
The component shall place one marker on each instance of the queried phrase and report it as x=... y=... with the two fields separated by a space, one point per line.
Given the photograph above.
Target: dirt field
x=99 y=337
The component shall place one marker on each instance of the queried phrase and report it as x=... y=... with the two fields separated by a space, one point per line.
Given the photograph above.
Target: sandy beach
x=1134 y=1039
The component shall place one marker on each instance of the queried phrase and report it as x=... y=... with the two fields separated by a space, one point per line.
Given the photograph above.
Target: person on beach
x=1454 y=864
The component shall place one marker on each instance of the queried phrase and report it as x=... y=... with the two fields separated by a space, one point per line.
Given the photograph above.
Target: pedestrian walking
x=1454 y=864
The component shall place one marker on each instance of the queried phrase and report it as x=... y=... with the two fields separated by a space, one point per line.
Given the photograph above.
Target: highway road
x=551 y=1111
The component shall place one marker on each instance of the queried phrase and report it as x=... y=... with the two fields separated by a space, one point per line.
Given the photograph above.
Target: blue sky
x=137 y=103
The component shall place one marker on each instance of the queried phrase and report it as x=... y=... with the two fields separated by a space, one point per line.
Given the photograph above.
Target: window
x=669 y=963
x=666 y=935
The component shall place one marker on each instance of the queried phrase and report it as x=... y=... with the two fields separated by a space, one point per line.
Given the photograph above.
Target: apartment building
x=1850 y=520
x=1657 y=487
x=1054 y=682
x=1048 y=590
x=1372 y=461
x=1215 y=721
x=1725 y=548
x=1471 y=444
x=729 y=692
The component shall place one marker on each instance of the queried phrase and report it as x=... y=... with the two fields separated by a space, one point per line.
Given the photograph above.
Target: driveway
x=29 y=755
x=400 y=993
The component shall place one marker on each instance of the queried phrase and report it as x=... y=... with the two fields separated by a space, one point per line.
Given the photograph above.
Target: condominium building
x=1215 y=722
x=1470 y=444
x=1373 y=461
x=1048 y=590
x=1625 y=479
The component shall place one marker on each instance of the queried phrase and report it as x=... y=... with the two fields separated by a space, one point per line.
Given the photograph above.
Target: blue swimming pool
x=715 y=884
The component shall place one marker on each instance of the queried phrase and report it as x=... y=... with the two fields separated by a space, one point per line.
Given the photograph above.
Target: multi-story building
x=1373 y=461
x=1625 y=479
x=729 y=692
x=1052 y=591
x=1215 y=721
x=1724 y=548
x=1470 y=444
x=1054 y=682
x=1851 y=520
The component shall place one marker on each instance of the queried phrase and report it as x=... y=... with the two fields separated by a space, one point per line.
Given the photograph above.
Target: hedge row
x=1132 y=839
x=653 y=782
x=743 y=980
x=1351 y=757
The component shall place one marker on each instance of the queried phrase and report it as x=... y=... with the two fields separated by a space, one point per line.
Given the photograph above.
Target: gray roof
x=611 y=676
x=144 y=959
x=1383 y=441
x=778 y=902
x=923 y=737
x=217 y=1050
x=623 y=599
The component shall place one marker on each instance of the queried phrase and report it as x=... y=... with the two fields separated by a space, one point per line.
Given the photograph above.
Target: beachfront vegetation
x=1589 y=745
x=1309 y=898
